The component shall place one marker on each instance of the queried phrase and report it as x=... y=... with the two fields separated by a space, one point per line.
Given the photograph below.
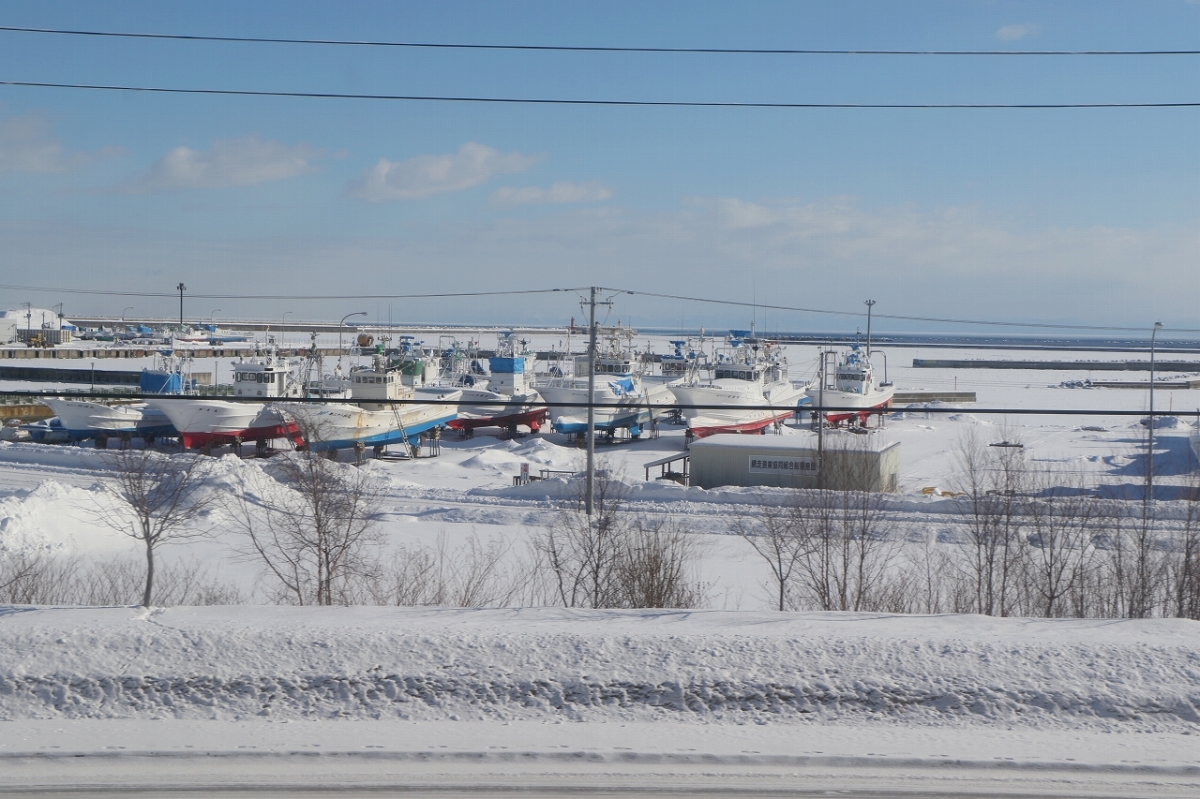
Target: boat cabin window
x=737 y=374
x=851 y=376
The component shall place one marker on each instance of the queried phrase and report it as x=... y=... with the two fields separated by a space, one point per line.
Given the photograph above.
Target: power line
x=858 y=314
x=588 y=49
x=569 y=290
x=569 y=101
x=373 y=296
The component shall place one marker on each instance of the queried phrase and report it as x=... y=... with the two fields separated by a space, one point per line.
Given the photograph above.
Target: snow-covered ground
x=494 y=697
x=653 y=699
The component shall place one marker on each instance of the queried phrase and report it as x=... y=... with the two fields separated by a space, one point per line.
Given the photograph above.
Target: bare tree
x=312 y=524
x=114 y=581
x=38 y=577
x=474 y=574
x=1183 y=562
x=163 y=496
x=1063 y=521
x=658 y=567
x=772 y=529
x=583 y=553
x=613 y=558
x=991 y=482
x=847 y=558
x=50 y=578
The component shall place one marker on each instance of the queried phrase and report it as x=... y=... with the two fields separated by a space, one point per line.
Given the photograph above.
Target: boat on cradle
x=382 y=410
x=207 y=421
x=686 y=362
x=851 y=387
x=124 y=419
x=499 y=396
x=88 y=419
x=185 y=334
x=749 y=392
x=621 y=399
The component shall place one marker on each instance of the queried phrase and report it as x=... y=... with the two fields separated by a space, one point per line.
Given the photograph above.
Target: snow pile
x=555 y=664
x=35 y=318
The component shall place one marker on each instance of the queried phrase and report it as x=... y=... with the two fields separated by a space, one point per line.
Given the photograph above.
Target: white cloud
x=426 y=175
x=28 y=145
x=557 y=194
x=243 y=161
x=1011 y=33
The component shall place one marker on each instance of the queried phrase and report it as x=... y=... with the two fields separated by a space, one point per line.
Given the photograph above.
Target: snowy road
x=544 y=759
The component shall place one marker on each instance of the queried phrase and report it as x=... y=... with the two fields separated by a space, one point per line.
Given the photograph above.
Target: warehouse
x=845 y=461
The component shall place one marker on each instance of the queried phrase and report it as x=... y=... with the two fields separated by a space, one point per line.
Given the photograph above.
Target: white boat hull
x=211 y=422
x=85 y=419
x=861 y=405
x=342 y=426
x=526 y=408
x=736 y=406
x=568 y=406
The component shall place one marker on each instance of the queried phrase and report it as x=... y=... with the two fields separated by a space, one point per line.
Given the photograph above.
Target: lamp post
x=342 y=324
x=210 y=317
x=127 y=308
x=870 y=304
x=181 y=288
x=1150 y=448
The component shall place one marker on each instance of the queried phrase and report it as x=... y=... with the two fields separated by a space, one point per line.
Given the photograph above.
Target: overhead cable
x=570 y=101
x=826 y=312
x=587 y=48
x=568 y=290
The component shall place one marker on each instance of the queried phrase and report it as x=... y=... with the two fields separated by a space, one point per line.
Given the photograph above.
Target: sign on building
x=782 y=464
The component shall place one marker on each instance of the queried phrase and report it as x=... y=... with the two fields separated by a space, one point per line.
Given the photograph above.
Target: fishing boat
x=685 y=361
x=123 y=418
x=749 y=392
x=501 y=395
x=382 y=410
x=851 y=388
x=258 y=380
x=88 y=419
x=620 y=400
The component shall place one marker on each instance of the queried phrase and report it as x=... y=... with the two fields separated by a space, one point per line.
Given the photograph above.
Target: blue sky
x=1064 y=216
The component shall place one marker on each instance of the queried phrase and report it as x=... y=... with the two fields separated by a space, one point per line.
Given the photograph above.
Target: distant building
x=846 y=461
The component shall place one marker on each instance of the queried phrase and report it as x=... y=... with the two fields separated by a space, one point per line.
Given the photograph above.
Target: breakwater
x=1075 y=366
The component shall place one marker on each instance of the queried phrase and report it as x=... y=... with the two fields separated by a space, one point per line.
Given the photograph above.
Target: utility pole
x=181 y=288
x=820 y=417
x=869 y=304
x=591 y=408
x=1150 y=447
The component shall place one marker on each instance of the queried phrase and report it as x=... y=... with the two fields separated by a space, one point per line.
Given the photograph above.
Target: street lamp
x=181 y=288
x=870 y=304
x=210 y=317
x=127 y=308
x=1150 y=448
x=342 y=324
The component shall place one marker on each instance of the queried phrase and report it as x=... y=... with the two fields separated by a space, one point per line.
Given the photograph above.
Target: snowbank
x=556 y=664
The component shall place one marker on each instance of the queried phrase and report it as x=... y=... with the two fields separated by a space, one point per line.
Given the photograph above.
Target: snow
x=578 y=665
x=814 y=694
x=519 y=696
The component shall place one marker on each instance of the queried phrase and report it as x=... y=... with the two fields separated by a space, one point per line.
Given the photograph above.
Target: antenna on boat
x=869 y=303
